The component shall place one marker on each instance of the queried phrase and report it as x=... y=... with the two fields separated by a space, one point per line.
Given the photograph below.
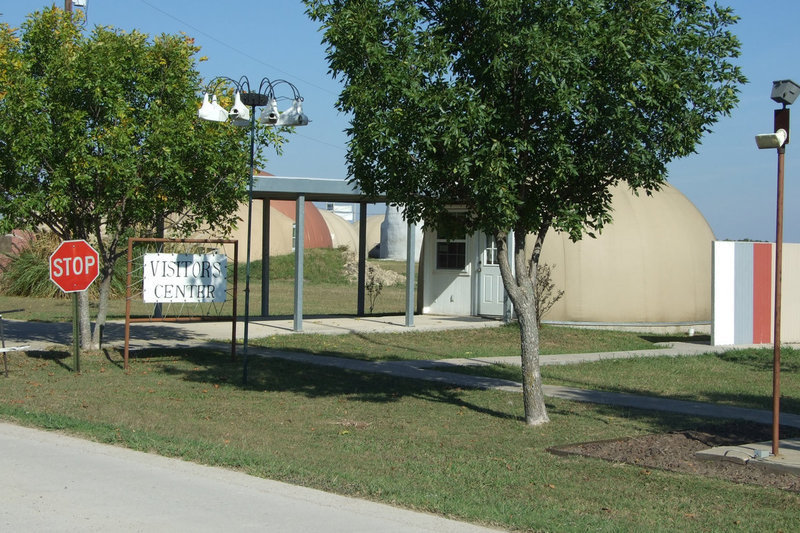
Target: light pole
x=784 y=92
x=244 y=95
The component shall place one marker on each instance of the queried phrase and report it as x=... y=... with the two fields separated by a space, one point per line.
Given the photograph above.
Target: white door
x=490 y=284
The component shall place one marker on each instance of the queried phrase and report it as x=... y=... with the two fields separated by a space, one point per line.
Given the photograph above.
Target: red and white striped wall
x=743 y=289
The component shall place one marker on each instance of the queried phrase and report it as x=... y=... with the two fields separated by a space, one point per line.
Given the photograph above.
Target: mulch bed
x=675 y=452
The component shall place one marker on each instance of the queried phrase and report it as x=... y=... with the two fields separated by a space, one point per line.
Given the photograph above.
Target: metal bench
x=4 y=350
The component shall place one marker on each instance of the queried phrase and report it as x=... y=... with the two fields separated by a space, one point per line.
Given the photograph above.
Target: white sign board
x=185 y=278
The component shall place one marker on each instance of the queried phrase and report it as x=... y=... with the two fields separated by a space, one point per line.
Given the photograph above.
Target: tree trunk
x=102 y=310
x=519 y=286
x=532 y=393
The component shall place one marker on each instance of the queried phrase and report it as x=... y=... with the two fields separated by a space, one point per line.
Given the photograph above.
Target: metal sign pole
x=76 y=334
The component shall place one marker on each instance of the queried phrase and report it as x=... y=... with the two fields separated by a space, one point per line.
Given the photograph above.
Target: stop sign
x=74 y=266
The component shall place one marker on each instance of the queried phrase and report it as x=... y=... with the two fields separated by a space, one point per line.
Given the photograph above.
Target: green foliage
x=28 y=272
x=100 y=139
x=525 y=113
x=321 y=265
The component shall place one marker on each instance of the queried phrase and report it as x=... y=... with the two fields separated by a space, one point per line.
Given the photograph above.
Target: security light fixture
x=771 y=140
x=785 y=91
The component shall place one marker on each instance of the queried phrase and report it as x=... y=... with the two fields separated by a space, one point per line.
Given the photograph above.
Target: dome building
x=651 y=265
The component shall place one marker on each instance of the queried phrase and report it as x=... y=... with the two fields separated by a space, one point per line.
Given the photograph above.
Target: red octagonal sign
x=74 y=266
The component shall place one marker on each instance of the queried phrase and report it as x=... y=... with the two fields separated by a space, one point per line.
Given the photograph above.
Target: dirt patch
x=386 y=278
x=675 y=452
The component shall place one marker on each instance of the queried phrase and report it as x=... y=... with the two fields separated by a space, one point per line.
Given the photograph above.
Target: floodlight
x=771 y=140
x=785 y=91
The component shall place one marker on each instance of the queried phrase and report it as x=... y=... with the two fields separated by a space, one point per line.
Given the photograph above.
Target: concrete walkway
x=52 y=482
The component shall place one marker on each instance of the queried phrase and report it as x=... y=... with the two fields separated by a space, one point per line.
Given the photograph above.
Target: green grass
x=469 y=343
x=461 y=453
x=326 y=291
x=738 y=377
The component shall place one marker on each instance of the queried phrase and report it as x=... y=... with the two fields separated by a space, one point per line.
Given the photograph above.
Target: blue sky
x=729 y=179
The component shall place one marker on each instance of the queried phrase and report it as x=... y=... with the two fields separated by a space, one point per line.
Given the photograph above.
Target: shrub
x=27 y=272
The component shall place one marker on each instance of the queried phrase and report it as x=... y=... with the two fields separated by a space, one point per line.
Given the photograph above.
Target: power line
x=233 y=48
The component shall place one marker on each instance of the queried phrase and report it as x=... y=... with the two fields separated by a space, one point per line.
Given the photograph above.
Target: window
x=490 y=253
x=451 y=255
x=451 y=245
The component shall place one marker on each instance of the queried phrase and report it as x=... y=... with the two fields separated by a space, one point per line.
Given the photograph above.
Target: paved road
x=52 y=482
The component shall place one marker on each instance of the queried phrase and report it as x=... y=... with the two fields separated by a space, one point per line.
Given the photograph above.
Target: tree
x=100 y=140
x=518 y=116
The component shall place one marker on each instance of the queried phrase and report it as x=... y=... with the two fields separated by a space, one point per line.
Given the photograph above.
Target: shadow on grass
x=312 y=381
x=57 y=356
x=748 y=401
x=762 y=359
x=370 y=341
x=696 y=339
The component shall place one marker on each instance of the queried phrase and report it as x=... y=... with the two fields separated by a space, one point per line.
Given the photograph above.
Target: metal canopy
x=321 y=190
x=314 y=189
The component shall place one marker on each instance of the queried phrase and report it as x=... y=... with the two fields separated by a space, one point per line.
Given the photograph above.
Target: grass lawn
x=469 y=343
x=738 y=377
x=318 y=299
x=461 y=453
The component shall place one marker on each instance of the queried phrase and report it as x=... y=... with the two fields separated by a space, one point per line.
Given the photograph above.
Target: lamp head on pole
x=784 y=92
x=771 y=140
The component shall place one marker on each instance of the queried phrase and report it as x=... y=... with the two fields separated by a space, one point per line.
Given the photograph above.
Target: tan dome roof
x=651 y=264
x=343 y=233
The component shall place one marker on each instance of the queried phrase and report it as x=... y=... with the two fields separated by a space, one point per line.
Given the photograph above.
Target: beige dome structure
x=282 y=213
x=652 y=264
x=343 y=233
x=374 y=233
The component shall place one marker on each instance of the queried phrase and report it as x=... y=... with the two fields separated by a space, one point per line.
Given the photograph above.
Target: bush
x=321 y=265
x=27 y=272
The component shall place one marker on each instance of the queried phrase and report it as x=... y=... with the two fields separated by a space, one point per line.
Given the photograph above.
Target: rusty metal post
x=781 y=122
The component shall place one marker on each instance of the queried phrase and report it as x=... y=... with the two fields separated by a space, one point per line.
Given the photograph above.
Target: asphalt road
x=52 y=482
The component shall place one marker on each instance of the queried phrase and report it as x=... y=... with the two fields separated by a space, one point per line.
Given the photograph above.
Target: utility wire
x=233 y=48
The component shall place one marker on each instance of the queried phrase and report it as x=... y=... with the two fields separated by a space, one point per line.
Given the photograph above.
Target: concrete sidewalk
x=42 y=336
x=53 y=482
